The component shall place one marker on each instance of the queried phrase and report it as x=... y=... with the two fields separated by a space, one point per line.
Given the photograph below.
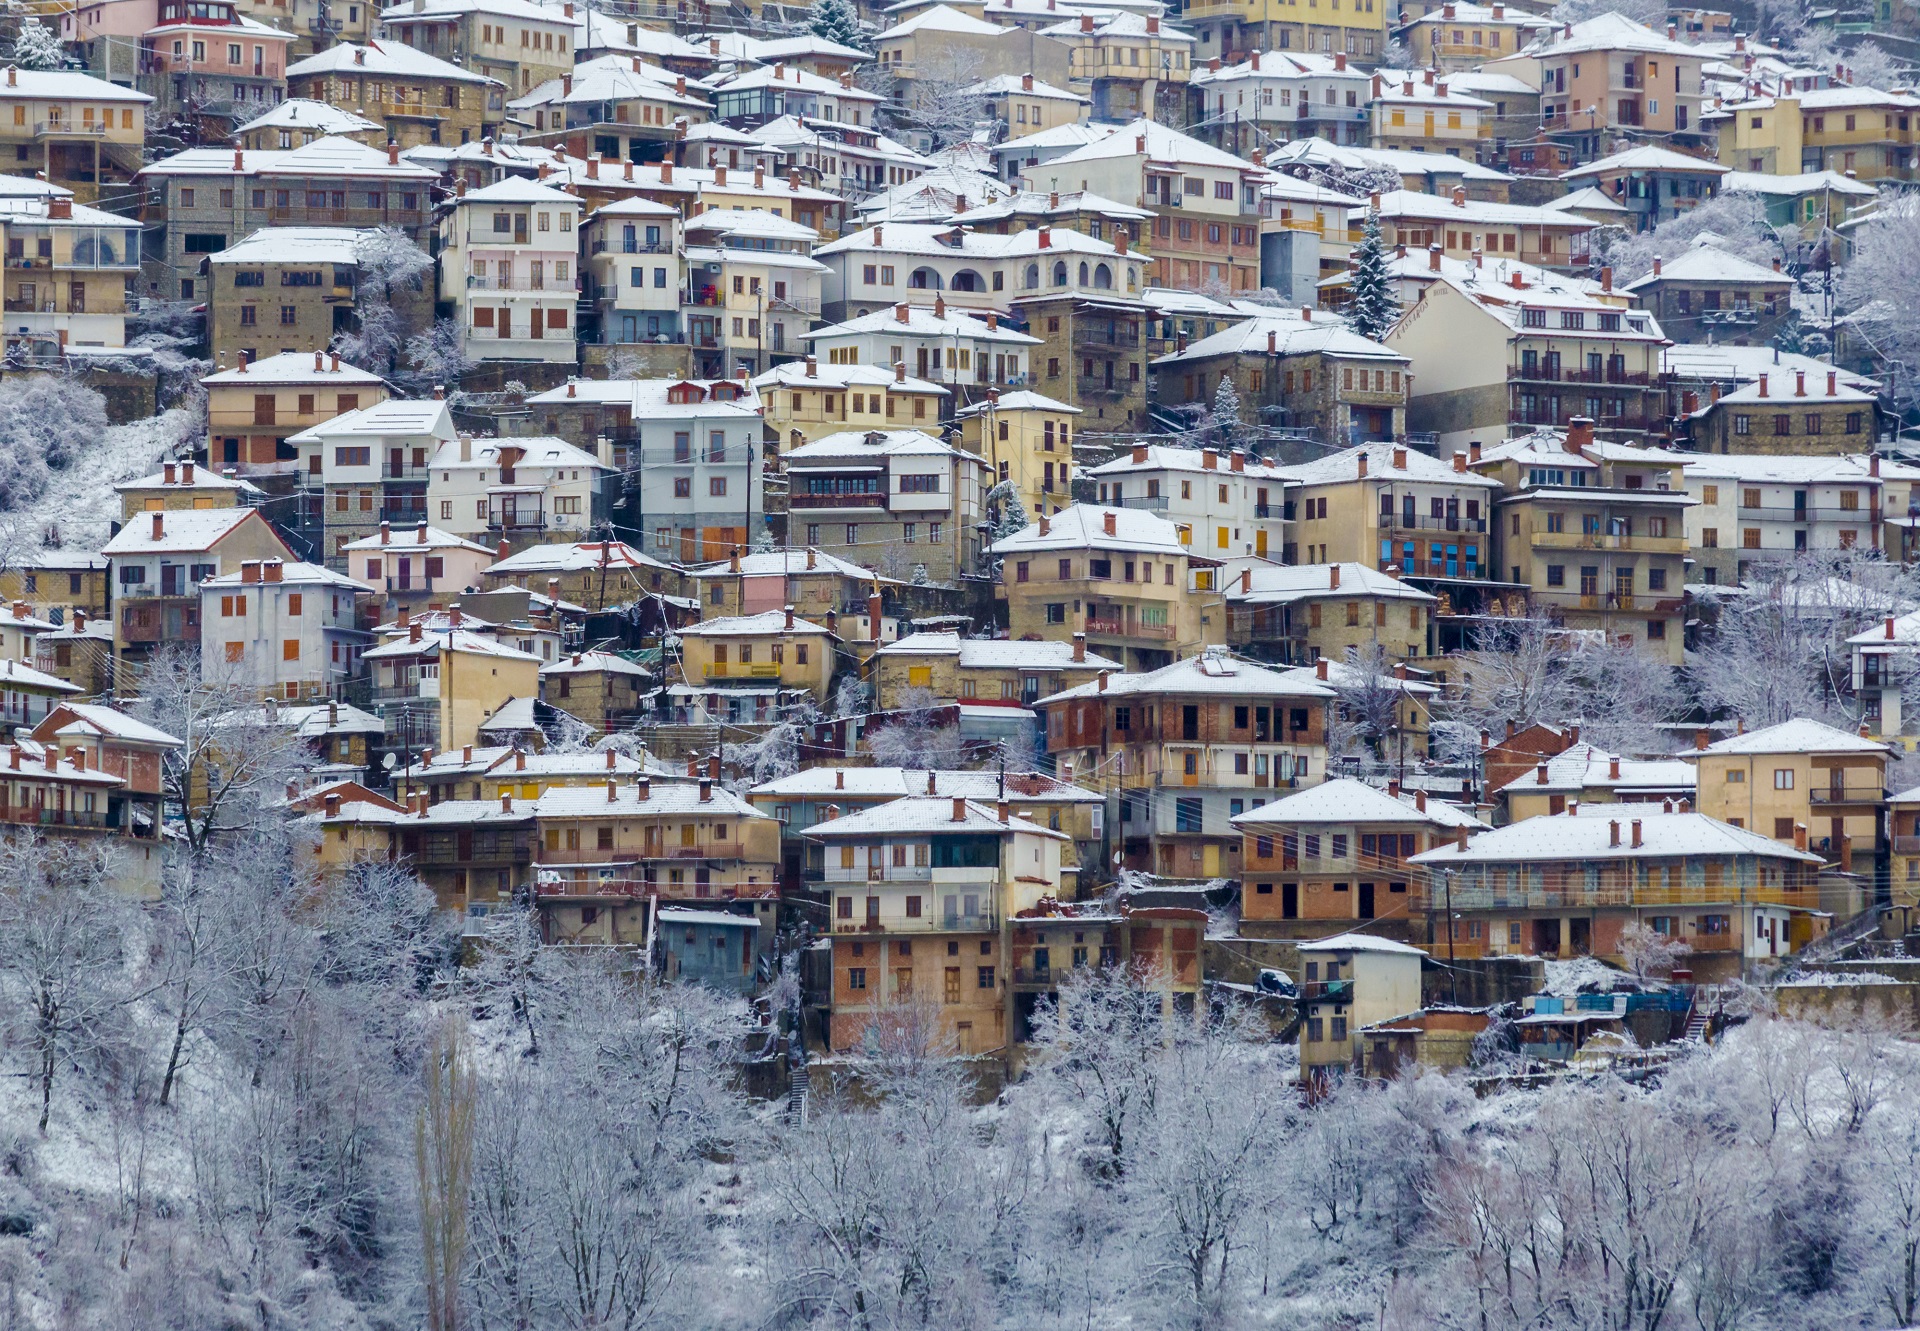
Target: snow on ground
x=80 y=505
x=1825 y=979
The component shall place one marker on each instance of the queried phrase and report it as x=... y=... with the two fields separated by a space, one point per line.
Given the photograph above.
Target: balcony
x=1798 y=513
x=39 y=815
x=867 y=500
x=63 y=129
x=1831 y=795
x=1433 y=568
x=1147 y=503
x=1326 y=991
x=1404 y=521
x=982 y=922
x=1906 y=845
x=1096 y=386
x=712 y=850
x=1548 y=373
x=742 y=670
x=1569 y=540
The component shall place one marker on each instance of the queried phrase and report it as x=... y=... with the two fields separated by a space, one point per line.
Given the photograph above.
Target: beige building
x=804 y=401
x=182 y=485
x=418 y=97
x=1299 y=614
x=773 y=649
x=1611 y=77
x=438 y=689
x=1026 y=438
x=291 y=289
x=1027 y=105
x=982 y=671
x=518 y=45
x=1795 y=413
x=81 y=132
x=1597 y=531
x=1121 y=578
x=1804 y=784
x=1383 y=504
x=253 y=408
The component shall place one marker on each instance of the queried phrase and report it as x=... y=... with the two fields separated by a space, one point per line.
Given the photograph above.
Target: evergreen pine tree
x=38 y=47
x=1225 y=424
x=836 y=21
x=1004 y=498
x=1371 y=307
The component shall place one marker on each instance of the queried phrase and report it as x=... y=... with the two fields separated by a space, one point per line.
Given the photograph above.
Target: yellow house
x=1862 y=133
x=1120 y=576
x=253 y=407
x=770 y=647
x=1026 y=105
x=181 y=485
x=1588 y=774
x=982 y=671
x=804 y=401
x=486 y=773
x=1802 y=783
x=440 y=687
x=1231 y=29
x=1903 y=819
x=604 y=851
x=1026 y=438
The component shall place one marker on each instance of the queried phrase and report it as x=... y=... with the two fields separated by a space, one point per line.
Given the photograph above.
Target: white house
x=633 y=272
x=1204 y=493
x=935 y=343
x=508 y=260
x=282 y=630
x=492 y=490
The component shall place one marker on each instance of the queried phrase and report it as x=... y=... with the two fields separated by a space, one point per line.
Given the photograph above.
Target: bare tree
x=235 y=755
x=63 y=935
x=1649 y=953
x=443 y=1160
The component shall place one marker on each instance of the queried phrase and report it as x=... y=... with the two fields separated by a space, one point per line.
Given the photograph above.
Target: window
x=1783 y=778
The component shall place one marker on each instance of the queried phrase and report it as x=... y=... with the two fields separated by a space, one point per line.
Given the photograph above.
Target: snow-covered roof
x=1161 y=144
x=648 y=399
x=1283 y=584
x=1779 y=468
x=896 y=782
x=1904 y=631
x=872 y=444
x=998 y=653
x=1359 y=943
x=332 y=156
x=1125 y=23
x=525 y=10
x=452 y=640
x=1800 y=735
x=1212 y=672
x=957 y=242
x=1608 y=32
x=1094 y=527
x=382 y=59
x=542 y=450
x=613 y=78
x=1587 y=199
x=1340 y=675
x=1784 y=391
x=415 y=538
x=299 y=574
x=204 y=478
x=308 y=719
x=943 y=18
x=766 y=624
x=798 y=374
x=1709 y=263
x=1317 y=151
x=1646 y=157
x=1809 y=182
x=293 y=367
x=393 y=418
x=1590 y=834
x=61 y=85
x=1344 y=800
x=1284 y=335
x=923 y=321
x=1388 y=462
x=1586 y=766
x=593 y=663
x=306 y=113
x=517 y=189
x=1402 y=203
x=110 y=723
x=1024 y=399
x=1715 y=360
x=1024 y=84
x=683 y=916
x=19 y=675
x=182 y=531
x=788 y=563
x=924 y=815
x=576 y=557
x=1171 y=457
x=297 y=244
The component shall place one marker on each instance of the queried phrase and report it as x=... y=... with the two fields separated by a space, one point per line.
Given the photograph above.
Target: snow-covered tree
x=1870 y=65
x=438 y=355
x=388 y=283
x=942 y=104
x=837 y=21
x=1371 y=308
x=915 y=735
x=1226 y=426
x=38 y=47
x=1003 y=500
x=1738 y=223
x=1652 y=13
x=47 y=422
x=1529 y=671
x=1650 y=953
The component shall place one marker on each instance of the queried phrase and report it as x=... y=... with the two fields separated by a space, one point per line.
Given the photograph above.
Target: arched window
x=923 y=279
x=1103 y=278
x=1060 y=273
x=1033 y=277
x=968 y=280
x=1083 y=272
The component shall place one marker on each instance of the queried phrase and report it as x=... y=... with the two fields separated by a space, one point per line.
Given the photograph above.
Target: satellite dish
x=386 y=763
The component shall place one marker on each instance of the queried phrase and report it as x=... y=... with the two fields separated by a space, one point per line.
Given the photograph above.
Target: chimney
x=933 y=782
x=1579 y=433
x=1433 y=258
x=1833 y=390
x=1086 y=23
x=1460 y=837
x=168 y=474
x=1459 y=196
x=1209 y=459
x=386 y=532
x=1153 y=25
x=789 y=624
x=1101 y=685
x=1460 y=462
x=1799 y=383
x=1393 y=788
x=332 y=800
x=1306 y=313
x=1540 y=773
x=1320 y=666
x=1139 y=454
x=1026 y=83
x=1080 y=646
x=1273 y=342
x=506 y=801
x=666 y=171
x=1333 y=577
x=1109 y=523
x=1613 y=832
x=1362 y=460
x=1213 y=64
x=959 y=809
x=1120 y=242
x=272 y=570
x=159 y=526
x=1045 y=524
x=1799 y=836
x=1636 y=834
x=1763 y=385
x=1656 y=267
x=1246 y=581
x=706 y=790
x=1046 y=237
x=237 y=161
x=1399 y=459
x=1889 y=627
x=413 y=631
x=1700 y=739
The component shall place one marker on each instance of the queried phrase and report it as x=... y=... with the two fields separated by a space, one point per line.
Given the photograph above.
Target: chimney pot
x=959 y=809
x=1540 y=773
x=1320 y=668
x=1636 y=834
x=1613 y=832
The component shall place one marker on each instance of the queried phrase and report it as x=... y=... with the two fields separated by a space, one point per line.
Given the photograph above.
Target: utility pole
x=1453 y=973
